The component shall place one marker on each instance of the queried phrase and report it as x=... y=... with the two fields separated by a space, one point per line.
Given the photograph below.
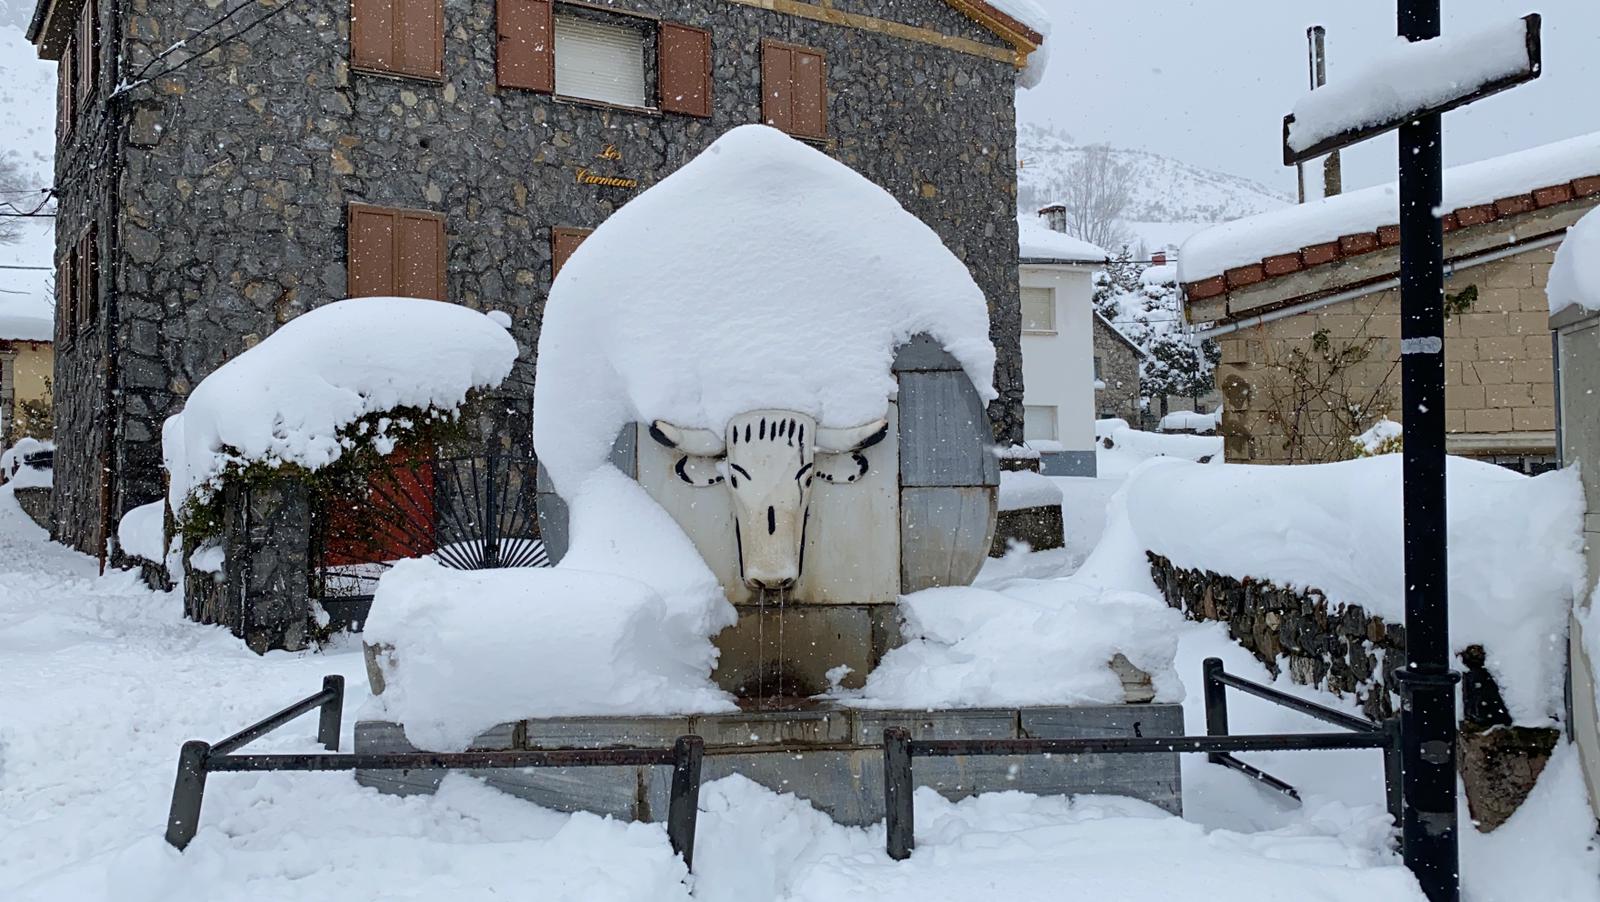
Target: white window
x=1038 y=310
x=596 y=61
x=1039 y=424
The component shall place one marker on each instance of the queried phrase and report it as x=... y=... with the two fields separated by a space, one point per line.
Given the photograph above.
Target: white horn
x=853 y=439
x=699 y=442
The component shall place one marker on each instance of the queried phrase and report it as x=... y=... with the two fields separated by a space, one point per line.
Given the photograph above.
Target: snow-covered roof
x=1575 y=276
x=1038 y=242
x=27 y=311
x=1235 y=254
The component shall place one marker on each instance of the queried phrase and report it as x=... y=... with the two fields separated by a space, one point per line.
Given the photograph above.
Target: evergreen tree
x=1121 y=277
x=1151 y=316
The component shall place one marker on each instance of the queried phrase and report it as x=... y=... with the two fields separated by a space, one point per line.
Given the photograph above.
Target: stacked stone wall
x=1119 y=370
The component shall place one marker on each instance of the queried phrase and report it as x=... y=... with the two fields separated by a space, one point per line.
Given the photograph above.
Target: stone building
x=221 y=172
x=1305 y=304
x=1116 y=374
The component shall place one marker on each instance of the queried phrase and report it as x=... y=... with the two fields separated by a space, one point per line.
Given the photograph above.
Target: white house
x=1057 y=276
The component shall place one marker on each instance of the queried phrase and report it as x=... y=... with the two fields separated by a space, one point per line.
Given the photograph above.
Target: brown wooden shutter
x=90 y=290
x=64 y=97
x=777 y=85
x=404 y=37
x=809 y=113
x=419 y=256
x=65 y=269
x=396 y=252
x=525 y=52
x=685 y=70
x=88 y=39
x=563 y=242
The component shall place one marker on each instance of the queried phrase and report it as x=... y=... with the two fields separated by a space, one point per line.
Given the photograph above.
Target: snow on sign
x=1411 y=79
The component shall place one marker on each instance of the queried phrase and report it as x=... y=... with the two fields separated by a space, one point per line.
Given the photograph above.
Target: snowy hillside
x=1169 y=197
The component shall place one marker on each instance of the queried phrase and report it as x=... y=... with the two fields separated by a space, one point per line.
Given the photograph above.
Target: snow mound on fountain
x=763 y=274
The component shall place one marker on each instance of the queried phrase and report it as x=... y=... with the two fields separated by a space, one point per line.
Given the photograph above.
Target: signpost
x=1427 y=684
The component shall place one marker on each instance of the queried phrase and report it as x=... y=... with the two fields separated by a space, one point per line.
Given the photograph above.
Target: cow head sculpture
x=768 y=459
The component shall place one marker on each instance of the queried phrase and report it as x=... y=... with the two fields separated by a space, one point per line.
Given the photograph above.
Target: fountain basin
x=830 y=755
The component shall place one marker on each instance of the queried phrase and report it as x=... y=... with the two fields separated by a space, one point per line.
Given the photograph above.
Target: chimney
x=1159 y=258
x=1055 y=217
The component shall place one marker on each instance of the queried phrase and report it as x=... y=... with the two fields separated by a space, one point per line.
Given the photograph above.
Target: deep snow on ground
x=101 y=681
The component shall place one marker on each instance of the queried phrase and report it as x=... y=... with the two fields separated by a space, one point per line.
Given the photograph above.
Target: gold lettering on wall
x=585 y=177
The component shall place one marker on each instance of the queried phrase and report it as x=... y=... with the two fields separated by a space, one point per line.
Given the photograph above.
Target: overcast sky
x=1209 y=81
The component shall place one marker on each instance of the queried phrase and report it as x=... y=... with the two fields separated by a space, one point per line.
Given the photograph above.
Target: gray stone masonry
x=829 y=756
x=1119 y=370
x=1344 y=649
x=224 y=202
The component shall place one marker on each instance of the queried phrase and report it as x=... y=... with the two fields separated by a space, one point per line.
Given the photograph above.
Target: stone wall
x=239 y=169
x=1499 y=393
x=1350 y=652
x=1119 y=370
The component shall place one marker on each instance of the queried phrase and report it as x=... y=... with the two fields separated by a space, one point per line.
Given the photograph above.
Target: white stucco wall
x=1058 y=368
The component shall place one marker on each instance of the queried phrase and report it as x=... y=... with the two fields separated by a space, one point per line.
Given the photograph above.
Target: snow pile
x=1191 y=421
x=1037 y=241
x=1246 y=241
x=1407 y=77
x=1024 y=642
x=1117 y=435
x=1021 y=489
x=478 y=647
x=728 y=287
x=1381 y=438
x=142 y=532
x=16 y=473
x=288 y=399
x=1575 y=277
x=1515 y=548
x=1033 y=16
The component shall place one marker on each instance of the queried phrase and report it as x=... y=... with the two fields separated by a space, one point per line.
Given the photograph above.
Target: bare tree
x=1096 y=191
x=12 y=191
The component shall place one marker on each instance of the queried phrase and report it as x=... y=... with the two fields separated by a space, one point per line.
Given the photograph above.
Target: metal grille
x=468 y=513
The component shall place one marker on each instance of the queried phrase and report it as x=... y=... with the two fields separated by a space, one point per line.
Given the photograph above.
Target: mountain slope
x=1165 y=190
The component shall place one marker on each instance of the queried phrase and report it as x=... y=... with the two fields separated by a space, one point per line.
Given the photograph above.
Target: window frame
x=1055 y=422
x=649 y=28
x=1050 y=305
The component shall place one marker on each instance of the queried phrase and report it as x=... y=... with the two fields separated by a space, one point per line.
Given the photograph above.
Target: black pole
x=899 y=815
x=683 y=806
x=1216 y=698
x=331 y=717
x=1428 y=715
x=188 y=792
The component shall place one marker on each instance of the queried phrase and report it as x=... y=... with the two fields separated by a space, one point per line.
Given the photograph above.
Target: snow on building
x=1304 y=303
x=1058 y=346
x=222 y=195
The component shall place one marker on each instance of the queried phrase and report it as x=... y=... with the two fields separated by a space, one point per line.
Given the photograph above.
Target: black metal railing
x=199 y=759
x=899 y=749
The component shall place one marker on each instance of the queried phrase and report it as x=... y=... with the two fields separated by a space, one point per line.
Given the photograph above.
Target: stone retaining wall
x=1348 y=651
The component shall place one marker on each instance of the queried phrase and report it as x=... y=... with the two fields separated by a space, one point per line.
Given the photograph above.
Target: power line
x=40 y=268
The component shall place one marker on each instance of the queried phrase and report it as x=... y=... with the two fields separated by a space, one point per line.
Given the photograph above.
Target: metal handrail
x=899 y=749
x=198 y=758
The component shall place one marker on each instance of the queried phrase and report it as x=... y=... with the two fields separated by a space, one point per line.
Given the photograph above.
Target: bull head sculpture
x=768 y=458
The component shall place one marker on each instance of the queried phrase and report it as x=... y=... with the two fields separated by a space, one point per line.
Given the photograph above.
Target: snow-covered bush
x=344 y=384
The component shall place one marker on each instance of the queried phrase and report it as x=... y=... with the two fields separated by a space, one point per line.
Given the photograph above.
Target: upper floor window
x=1038 y=310
x=398 y=37
x=794 y=89
x=601 y=61
x=582 y=53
